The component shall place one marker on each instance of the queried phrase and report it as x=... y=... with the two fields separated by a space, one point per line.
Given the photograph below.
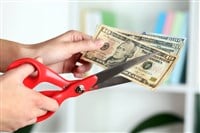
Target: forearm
x=54 y=52
x=10 y=51
x=48 y=51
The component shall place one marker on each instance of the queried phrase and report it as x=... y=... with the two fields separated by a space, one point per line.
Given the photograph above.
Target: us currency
x=165 y=37
x=180 y=41
x=169 y=44
x=120 y=48
x=172 y=45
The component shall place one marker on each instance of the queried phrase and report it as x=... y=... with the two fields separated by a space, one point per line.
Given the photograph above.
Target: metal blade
x=113 y=81
x=111 y=72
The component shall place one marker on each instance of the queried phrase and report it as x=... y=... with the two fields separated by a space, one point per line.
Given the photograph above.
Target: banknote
x=179 y=40
x=172 y=45
x=120 y=48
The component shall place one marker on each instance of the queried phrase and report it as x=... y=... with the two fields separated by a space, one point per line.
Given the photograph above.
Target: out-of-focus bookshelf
x=120 y=108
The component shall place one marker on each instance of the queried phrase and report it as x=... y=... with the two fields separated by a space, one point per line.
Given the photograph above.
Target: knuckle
x=38 y=100
x=90 y=42
x=39 y=103
x=71 y=31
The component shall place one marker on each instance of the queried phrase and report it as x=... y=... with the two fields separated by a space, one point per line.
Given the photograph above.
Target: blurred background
x=173 y=107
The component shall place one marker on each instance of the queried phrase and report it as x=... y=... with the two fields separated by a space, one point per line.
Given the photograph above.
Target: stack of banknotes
x=121 y=46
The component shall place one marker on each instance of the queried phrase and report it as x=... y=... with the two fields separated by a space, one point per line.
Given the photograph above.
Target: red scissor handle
x=44 y=74
x=71 y=91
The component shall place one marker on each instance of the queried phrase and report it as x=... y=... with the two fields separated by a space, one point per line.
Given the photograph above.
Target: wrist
x=26 y=51
x=11 y=51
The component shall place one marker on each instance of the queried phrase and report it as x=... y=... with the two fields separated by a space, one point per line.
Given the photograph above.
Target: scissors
x=76 y=87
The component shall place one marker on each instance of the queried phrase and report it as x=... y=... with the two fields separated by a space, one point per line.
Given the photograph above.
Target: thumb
x=85 y=45
x=25 y=70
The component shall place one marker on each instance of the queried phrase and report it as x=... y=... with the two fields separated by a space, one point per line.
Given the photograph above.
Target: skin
x=19 y=105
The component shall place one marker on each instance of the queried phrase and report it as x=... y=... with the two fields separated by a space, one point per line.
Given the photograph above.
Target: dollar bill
x=120 y=48
x=179 y=40
x=172 y=45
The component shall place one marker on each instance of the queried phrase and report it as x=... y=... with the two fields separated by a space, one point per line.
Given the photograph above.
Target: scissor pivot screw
x=80 y=89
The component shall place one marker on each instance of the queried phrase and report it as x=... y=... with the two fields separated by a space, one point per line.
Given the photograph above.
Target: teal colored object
x=157 y=120
x=160 y=23
x=180 y=30
x=26 y=129
x=197 y=120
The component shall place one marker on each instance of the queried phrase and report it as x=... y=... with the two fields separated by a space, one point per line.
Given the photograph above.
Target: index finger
x=73 y=35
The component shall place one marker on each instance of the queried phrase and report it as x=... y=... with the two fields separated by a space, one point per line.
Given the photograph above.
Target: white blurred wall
x=114 y=109
x=31 y=22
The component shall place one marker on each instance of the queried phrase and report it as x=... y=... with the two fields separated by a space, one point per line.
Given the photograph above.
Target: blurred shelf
x=163 y=88
x=133 y=92
x=197 y=90
x=112 y=109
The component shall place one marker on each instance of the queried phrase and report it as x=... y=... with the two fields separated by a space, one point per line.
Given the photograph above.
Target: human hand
x=62 y=53
x=19 y=105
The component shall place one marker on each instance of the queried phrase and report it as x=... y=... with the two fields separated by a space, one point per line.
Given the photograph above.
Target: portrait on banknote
x=124 y=51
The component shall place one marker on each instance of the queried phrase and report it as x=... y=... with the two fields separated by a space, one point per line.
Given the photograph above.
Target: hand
x=63 y=52
x=20 y=106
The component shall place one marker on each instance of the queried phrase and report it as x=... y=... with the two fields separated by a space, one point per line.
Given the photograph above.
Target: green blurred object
x=108 y=18
x=197 y=118
x=26 y=129
x=157 y=120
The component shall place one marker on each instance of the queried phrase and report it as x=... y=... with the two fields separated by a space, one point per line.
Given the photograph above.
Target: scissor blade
x=113 y=81
x=111 y=72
